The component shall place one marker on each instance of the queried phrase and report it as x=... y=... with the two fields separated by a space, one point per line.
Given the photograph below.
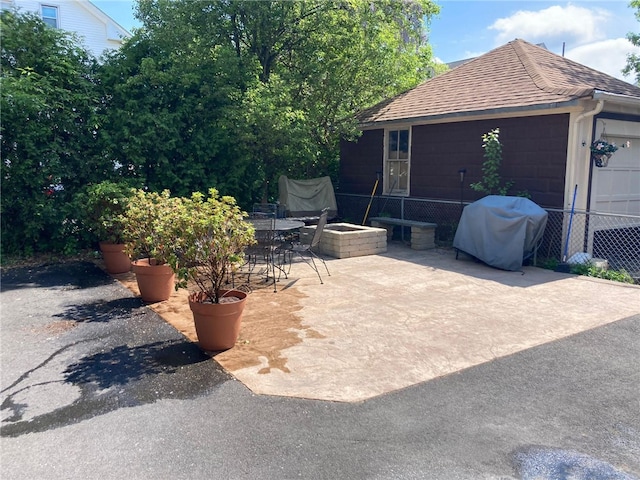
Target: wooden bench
x=422 y=233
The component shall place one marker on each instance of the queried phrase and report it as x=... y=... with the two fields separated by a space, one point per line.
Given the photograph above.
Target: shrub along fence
x=614 y=238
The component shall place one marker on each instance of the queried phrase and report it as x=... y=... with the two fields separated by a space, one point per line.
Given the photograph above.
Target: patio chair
x=305 y=250
x=264 y=249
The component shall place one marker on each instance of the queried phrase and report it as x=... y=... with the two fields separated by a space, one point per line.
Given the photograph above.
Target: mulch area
x=270 y=322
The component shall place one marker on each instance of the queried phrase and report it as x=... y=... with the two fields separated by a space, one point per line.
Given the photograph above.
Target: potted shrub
x=102 y=207
x=149 y=233
x=211 y=236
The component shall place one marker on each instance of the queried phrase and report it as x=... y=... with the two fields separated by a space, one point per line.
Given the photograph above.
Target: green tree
x=294 y=75
x=491 y=182
x=633 y=59
x=49 y=128
x=169 y=115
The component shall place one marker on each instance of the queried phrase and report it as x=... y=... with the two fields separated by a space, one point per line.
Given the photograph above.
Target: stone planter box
x=344 y=240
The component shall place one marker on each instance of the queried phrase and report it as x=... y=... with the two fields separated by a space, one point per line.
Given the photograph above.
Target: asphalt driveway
x=96 y=384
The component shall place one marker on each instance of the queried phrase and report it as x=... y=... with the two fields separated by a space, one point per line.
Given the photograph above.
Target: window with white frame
x=396 y=159
x=50 y=15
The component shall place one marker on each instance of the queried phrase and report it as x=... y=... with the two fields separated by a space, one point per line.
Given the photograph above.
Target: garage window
x=397 y=161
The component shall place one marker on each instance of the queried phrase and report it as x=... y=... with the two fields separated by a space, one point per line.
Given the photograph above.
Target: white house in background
x=98 y=31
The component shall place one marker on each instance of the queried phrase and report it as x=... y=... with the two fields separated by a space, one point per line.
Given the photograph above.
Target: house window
x=50 y=15
x=396 y=169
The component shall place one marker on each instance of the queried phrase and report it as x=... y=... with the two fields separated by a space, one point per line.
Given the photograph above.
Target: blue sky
x=593 y=32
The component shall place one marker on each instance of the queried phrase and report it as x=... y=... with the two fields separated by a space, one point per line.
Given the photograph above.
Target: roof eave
x=468 y=114
x=616 y=98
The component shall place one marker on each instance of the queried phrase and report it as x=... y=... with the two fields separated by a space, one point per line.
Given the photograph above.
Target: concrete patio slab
x=385 y=322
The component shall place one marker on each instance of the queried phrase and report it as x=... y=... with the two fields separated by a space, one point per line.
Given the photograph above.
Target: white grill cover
x=501 y=231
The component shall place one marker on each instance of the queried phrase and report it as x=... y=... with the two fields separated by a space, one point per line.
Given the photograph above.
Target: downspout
x=575 y=165
x=591 y=113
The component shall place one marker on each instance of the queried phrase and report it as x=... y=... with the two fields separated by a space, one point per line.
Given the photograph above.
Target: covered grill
x=501 y=231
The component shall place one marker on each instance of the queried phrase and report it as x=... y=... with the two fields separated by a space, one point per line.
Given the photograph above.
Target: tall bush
x=48 y=133
x=171 y=116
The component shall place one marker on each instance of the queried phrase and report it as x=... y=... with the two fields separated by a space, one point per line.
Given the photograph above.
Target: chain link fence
x=614 y=239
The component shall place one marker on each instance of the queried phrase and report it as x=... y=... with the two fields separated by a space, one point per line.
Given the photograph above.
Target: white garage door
x=616 y=187
x=614 y=225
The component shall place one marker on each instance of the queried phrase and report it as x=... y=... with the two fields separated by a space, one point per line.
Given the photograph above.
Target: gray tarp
x=501 y=231
x=307 y=197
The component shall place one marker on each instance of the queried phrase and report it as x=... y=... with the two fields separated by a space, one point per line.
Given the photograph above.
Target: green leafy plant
x=548 y=263
x=633 y=59
x=211 y=235
x=590 y=270
x=103 y=206
x=491 y=182
x=151 y=225
x=602 y=147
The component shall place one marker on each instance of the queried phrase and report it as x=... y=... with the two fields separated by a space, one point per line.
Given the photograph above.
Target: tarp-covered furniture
x=501 y=231
x=307 y=197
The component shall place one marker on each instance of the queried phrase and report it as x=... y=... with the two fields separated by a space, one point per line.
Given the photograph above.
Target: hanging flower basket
x=601 y=152
x=601 y=160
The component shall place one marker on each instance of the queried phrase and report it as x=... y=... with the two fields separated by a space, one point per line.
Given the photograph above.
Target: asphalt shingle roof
x=516 y=75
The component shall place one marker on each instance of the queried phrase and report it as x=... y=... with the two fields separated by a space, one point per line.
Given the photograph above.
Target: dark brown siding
x=534 y=156
x=534 y=152
x=359 y=162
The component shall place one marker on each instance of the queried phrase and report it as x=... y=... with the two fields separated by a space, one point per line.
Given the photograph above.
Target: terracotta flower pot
x=156 y=282
x=115 y=260
x=217 y=324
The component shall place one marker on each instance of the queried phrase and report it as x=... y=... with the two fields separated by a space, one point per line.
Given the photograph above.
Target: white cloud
x=584 y=27
x=608 y=56
x=578 y=24
x=473 y=54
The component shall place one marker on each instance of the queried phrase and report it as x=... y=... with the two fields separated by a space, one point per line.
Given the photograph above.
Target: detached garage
x=548 y=110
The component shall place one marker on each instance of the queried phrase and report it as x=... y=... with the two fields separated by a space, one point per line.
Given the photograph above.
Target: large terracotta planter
x=156 y=282
x=217 y=324
x=115 y=260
